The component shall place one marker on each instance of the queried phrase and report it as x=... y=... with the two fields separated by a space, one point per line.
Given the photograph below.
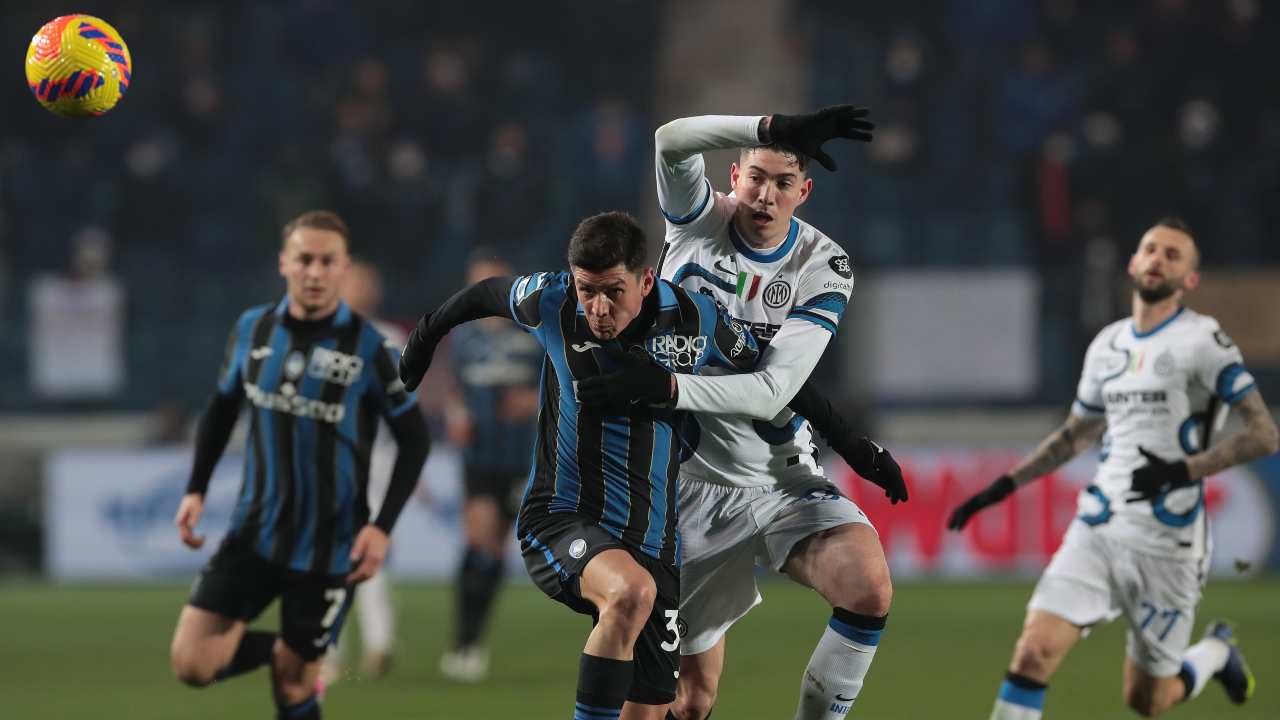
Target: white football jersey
x=1167 y=391
x=791 y=297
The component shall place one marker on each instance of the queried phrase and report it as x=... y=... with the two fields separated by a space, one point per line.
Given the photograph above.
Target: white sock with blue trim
x=1201 y=662
x=1020 y=698
x=838 y=666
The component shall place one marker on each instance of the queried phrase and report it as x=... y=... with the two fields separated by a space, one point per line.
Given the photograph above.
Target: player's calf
x=698 y=684
x=293 y=682
x=1046 y=638
x=203 y=644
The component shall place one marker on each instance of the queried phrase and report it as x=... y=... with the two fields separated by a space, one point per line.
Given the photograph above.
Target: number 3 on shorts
x=673 y=624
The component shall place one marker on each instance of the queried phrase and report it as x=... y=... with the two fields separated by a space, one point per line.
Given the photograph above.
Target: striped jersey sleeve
x=525 y=299
x=239 y=342
x=1219 y=365
x=823 y=290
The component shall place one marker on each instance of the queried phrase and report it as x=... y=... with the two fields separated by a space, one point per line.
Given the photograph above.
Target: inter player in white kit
x=752 y=491
x=1160 y=384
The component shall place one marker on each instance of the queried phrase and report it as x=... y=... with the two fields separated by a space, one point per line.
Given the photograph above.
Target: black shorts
x=556 y=549
x=238 y=583
x=504 y=486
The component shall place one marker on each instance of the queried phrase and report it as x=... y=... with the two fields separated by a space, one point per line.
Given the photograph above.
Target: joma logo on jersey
x=679 y=350
x=335 y=367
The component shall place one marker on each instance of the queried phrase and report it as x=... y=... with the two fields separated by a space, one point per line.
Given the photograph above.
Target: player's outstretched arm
x=487 y=298
x=683 y=189
x=1073 y=437
x=867 y=458
x=1257 y=438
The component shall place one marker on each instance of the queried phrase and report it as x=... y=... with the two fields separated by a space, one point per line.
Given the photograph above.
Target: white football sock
x=839 y=663
x=1204 y=659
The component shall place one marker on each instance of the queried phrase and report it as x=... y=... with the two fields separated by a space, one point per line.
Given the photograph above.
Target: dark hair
x=607 y=240
x=1176 y=223
x=802 y=160
x=318 y=220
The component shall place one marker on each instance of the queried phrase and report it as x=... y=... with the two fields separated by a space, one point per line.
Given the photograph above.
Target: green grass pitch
x=102 y=653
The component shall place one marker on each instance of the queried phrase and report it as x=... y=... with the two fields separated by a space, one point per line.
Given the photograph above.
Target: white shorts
x=1094 y=579
x=726 y=531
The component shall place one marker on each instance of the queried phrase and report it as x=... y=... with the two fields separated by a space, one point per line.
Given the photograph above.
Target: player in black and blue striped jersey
x=317 y=377
x=598 y=521
x=491 y=418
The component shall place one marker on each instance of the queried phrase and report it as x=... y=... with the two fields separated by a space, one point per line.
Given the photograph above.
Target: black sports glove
x=1002 y=488
x=874 y=464
x=807 y=133
x=640 y=381
x=1157 y=477
x=416 y=356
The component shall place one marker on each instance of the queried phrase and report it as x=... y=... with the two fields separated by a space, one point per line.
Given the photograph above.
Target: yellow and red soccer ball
x=78 y=66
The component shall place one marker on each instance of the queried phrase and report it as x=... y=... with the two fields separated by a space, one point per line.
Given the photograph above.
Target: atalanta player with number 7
x=317 y=377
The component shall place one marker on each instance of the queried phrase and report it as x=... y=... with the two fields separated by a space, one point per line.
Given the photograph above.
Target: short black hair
x=607 y=240
x=802 y=160
x=1176 y=223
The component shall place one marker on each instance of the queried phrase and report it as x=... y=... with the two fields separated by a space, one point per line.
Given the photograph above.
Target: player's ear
x=734 y=172
x=1133 y=264
x=806 y=188
x=1191 y=281
x=647 y=281
x=284 y=261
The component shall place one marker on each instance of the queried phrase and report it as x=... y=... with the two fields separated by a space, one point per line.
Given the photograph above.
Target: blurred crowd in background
x=1011 y=133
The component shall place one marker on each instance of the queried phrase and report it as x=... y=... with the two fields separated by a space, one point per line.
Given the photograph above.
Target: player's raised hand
x=639 y=381
x=367 y=553
x=1002 y=488
x=808 y=132
x=417 y=354
x=1158 y=476
x=189 y=512
x=874 y=464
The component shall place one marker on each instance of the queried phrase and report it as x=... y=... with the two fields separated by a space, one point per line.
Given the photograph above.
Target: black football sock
x=603 y=685
x=479 y=578
x=308 y=709
x=254 y=651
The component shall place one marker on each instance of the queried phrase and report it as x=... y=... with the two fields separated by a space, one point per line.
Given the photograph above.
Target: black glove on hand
x=640 y=381
x=1157 y=477
x=416 y=356
x=874 y=464
x=1002 y=488
x=807 y=133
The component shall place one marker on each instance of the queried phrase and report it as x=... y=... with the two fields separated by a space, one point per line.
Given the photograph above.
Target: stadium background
x=1021 y=149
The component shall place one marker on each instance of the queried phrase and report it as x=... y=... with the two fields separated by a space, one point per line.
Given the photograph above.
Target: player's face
x=314 y=263
x=1164 y=264
x=611 y=299
x=769 y=186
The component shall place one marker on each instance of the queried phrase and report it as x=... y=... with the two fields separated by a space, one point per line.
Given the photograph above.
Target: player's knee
x=866 y=593
x=875 y=598
x=190 y=669
x=630 y=602
x=1032 y=657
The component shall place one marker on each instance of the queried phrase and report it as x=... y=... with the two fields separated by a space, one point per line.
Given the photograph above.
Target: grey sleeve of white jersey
x=684 y=192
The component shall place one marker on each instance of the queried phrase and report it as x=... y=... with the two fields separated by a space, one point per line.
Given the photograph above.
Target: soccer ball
x=78 y=66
